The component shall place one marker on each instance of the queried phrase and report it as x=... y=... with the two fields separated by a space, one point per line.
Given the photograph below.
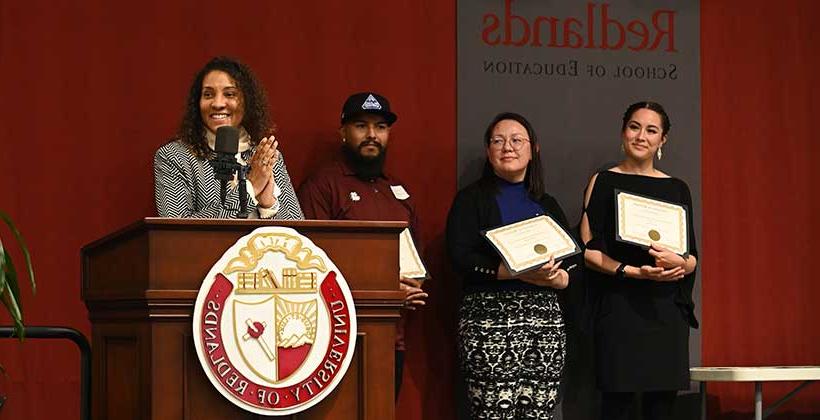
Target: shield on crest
x=274 y=335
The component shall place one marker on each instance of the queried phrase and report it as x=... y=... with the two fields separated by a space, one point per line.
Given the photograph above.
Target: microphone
x=226 y=147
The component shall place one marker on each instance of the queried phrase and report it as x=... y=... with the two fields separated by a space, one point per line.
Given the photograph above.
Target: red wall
x=761 y=101
x=89 y=92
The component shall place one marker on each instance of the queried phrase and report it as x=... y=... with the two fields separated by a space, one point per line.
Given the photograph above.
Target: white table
x=758 y=375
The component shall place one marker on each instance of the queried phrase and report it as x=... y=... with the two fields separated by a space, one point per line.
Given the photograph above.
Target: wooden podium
x=140 y=285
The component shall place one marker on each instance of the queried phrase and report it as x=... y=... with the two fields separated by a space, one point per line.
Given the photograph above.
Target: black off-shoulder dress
x=641 y=327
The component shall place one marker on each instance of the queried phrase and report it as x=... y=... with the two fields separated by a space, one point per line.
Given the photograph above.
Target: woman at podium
x=637 y=226
x=224 y=93
x=511 y=330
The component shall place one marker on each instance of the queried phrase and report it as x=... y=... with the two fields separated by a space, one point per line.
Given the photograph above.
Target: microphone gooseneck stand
x=224 y=169
x=242 y=176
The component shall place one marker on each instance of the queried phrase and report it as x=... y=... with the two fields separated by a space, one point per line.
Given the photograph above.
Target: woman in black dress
x=642 y=299
x=511 y=330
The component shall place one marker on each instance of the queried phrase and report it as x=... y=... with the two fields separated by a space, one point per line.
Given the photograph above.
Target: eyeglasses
x=497 y=143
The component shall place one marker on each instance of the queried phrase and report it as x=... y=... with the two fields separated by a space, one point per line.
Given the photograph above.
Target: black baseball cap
x=367 y=103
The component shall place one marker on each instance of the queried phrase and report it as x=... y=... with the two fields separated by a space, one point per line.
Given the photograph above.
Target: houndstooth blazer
x=184 y=186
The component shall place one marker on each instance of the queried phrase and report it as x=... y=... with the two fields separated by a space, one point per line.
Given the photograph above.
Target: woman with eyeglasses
x=511 y=330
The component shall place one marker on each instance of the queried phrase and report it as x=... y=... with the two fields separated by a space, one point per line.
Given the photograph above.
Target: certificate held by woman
x=530 y=243
x=642 y=220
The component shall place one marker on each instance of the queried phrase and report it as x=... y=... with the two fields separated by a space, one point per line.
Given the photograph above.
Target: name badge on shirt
x=399 y=192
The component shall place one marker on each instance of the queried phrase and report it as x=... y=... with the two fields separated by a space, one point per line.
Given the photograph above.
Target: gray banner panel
x=572 y=68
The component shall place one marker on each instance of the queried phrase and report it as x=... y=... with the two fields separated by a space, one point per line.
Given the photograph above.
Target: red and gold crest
x=274 y=323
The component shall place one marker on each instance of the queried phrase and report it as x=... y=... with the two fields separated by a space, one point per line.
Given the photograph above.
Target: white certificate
x=643 y=221
x=529 y=243
x=410 y=265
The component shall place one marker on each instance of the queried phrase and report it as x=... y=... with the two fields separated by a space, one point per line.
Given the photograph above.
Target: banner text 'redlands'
x=595 y=30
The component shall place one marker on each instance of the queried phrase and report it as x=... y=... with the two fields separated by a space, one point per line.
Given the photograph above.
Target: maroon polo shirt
x=335 y=193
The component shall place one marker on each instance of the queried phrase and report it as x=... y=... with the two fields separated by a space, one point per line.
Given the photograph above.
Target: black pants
x=399 y=371
x=656 y=405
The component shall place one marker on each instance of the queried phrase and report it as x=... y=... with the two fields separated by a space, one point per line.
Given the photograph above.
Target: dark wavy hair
x=654 y=106
x=256 y=120
x=533 y=180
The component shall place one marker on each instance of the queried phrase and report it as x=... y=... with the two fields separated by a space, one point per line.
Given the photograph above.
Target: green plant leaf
x=3 y=281
x=2 y=268
x=23 y=247
x=11 y=296
x=12 y=282
x=10 y=303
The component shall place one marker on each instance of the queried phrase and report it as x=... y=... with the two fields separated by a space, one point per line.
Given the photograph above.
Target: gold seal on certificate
x=410 y=265
x=529 y=243
x=643 y=221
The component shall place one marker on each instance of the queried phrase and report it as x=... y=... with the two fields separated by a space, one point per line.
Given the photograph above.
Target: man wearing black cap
x=355 y=187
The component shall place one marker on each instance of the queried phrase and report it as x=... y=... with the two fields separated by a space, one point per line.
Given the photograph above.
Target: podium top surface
x=163 y=254
x=167 y=223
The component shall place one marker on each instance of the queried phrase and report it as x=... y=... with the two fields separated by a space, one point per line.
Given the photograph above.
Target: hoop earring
x=660 y=153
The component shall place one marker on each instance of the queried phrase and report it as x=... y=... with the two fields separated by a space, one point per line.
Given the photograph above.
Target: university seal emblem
x=274 y=323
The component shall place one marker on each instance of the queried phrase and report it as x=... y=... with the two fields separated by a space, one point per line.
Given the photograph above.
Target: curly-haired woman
x=224 y=92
